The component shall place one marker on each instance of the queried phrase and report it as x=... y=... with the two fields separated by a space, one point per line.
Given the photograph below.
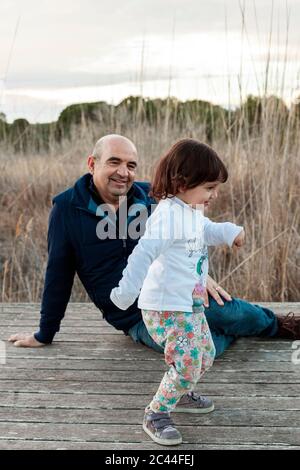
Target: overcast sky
x=57 y=52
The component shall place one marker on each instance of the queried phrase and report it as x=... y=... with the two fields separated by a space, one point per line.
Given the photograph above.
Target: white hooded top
x=171 y=258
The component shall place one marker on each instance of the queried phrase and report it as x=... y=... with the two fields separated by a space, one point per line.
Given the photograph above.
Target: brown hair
x=187 y=164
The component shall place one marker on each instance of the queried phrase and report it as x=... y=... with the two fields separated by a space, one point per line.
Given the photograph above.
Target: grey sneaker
x=161 y=429
x=194 y=403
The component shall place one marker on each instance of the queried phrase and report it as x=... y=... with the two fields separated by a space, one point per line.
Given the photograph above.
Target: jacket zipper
x=124 y=248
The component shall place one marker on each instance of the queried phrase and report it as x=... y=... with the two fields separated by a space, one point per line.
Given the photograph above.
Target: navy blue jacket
x=73 y=247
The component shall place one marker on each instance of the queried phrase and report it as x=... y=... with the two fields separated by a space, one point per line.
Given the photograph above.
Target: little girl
x=170 y=265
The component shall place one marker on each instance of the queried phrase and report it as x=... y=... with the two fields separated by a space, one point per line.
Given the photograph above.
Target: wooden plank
x=119 y=344
x=104 y=328
x=58 y=363
x=92 y=329
x=119 y=376
x=108 y=339
x=53 y=364
x=129 y=355
x=219 y=417
x=22 y=444
x=75 y=306
x=248 y=344
x=85 y=342
x=120 y=433
x=36 y=306
x=132 y=401
x=78 y=309
x=126 y=388
x=96 y=336
x=91 y=333
x=10 y=320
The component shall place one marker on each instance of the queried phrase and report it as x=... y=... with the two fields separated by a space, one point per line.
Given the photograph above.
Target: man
x=74 y=246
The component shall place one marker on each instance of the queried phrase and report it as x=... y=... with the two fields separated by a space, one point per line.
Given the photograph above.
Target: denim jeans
x=236 y=318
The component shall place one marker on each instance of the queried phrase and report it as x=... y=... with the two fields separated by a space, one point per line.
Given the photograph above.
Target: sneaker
x=194 y=403
x=161 y=429
x=289 y=326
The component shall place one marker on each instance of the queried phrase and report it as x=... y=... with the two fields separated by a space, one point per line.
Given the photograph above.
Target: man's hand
x=216 y=292
x=25 y=340
x=239 y=240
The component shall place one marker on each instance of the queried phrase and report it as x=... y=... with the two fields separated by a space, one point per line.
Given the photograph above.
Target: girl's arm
x=154 y=242
x=216 y=233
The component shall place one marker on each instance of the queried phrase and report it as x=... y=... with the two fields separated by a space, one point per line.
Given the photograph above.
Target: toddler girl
x=168 y=270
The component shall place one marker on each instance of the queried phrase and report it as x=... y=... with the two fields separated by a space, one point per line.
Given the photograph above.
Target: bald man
x=77 y=242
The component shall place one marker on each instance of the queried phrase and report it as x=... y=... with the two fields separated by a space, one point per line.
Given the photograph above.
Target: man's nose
x=214 y=194
x=123 y=171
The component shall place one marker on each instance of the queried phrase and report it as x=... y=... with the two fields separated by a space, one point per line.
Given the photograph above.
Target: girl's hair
x=187 y=164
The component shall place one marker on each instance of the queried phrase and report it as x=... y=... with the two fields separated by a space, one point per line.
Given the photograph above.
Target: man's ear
x=91 y=163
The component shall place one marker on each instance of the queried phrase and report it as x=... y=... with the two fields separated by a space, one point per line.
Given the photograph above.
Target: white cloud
x=88 y=48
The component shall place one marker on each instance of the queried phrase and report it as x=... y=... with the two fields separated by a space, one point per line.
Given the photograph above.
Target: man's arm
x=58 y=283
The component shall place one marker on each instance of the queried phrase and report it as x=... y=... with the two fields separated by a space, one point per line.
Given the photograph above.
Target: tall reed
x=260 y=145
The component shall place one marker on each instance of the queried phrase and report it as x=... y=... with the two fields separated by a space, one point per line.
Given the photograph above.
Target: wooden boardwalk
x=88 y=390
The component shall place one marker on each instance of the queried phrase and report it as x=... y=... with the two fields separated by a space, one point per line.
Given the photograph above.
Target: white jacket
x=170 y=258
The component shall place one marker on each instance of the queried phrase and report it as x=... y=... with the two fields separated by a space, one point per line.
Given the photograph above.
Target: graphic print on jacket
x=198 y=294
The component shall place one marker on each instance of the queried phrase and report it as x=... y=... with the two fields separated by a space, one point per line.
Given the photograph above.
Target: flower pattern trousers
x=189 y=352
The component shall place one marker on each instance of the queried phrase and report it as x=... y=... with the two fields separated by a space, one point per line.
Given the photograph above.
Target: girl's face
x=202 y=194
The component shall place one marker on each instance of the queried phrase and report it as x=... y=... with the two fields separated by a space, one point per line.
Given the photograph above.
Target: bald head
x=113 y=141
x=113 y=165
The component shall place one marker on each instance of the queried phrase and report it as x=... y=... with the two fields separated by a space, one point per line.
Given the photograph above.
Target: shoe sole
x=194 y=410
x=164 y=442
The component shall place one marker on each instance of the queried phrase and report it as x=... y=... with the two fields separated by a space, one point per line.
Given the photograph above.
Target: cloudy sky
x=57 y=52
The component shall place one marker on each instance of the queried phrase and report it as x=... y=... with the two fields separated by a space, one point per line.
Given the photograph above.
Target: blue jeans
x=236 y=318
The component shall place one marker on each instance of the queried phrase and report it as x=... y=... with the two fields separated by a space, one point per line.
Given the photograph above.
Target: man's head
x=113 y=165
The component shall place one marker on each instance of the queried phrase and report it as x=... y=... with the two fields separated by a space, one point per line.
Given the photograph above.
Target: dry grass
x=261 y=194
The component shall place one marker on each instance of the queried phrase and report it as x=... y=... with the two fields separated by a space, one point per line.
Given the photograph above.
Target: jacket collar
x=86 y=197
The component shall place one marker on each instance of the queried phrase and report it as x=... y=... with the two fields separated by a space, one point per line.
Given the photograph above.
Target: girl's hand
x=239 y=240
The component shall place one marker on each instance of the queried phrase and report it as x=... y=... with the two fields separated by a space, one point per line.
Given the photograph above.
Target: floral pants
x=189 y=352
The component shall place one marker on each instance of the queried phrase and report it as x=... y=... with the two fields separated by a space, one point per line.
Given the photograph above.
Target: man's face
x=114 y=172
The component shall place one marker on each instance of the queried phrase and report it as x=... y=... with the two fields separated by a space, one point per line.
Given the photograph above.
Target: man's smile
x=118 y=181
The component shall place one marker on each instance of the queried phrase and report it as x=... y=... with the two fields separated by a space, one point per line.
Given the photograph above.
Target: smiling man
x=113 y=165
x=75 y=247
